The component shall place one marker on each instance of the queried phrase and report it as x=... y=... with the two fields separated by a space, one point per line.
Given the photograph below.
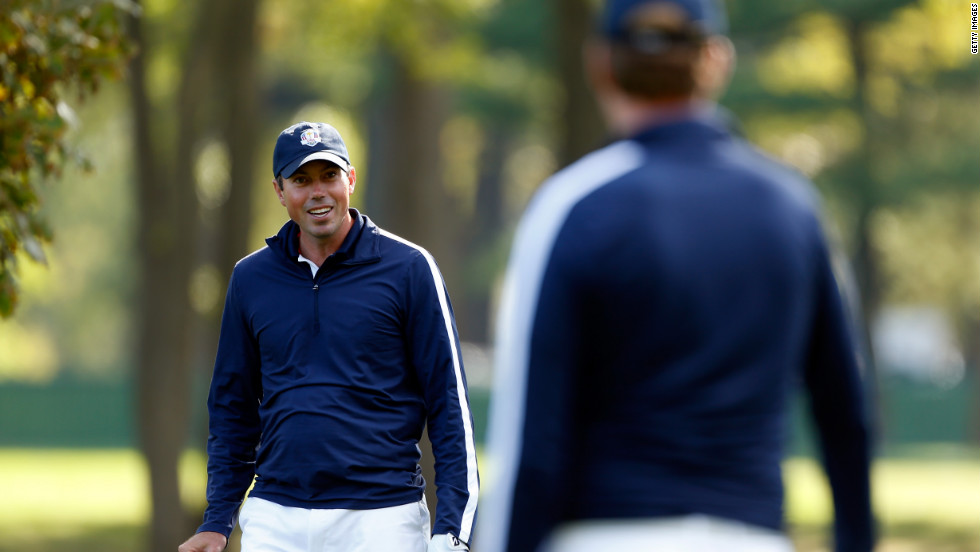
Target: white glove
x=446 y=543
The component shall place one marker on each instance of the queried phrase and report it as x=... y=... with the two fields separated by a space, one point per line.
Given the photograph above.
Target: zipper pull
x=316 y=309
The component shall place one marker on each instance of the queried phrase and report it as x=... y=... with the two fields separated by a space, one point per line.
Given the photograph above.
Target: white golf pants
x=269 y=527
x=696 y=533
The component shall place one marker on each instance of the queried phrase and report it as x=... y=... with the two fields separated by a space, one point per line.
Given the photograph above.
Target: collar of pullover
x=360 y=246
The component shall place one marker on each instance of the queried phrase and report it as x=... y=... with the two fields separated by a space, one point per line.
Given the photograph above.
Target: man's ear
x=716 y=66
x=352 y=177
x=275 y=186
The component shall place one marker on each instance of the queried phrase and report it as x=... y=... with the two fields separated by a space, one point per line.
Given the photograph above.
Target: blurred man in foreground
x=665 y=296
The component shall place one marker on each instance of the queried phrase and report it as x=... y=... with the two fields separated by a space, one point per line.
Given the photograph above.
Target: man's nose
x=319 y=188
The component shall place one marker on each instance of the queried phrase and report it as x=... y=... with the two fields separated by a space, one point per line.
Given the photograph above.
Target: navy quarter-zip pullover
x=323 y=384
x=665 y=296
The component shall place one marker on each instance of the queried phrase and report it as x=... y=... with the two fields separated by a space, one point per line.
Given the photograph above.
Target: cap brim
x=291 y=168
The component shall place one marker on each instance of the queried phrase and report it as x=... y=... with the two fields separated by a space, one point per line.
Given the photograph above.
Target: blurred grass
x=82 y=500
x=96 y=500
x=926 y=499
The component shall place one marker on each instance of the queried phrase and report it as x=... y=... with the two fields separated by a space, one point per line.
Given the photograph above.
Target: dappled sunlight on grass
x=940 y=493
x=88 y=500
x=74 y=538
x=72 y=487
x=59 y=492
x=922 y=504
x=944 y=493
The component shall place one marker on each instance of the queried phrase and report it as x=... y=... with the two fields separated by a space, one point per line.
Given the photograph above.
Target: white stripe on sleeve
x=472 y=478
x=532 y=247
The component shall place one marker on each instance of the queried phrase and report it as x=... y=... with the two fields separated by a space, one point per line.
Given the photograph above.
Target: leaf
x=33 y=248
x=8 y=287
x=46 y=48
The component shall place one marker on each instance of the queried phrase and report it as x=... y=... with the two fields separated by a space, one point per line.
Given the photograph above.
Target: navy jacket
x=322 y=386
x=664 y=298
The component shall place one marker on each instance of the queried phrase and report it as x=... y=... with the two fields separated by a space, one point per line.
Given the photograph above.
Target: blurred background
x=136 y=146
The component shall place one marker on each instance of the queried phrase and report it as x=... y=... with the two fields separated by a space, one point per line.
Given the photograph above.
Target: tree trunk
x=238 y=91
x=484 y=235
x=583 y=127
x=161 y=318
x=864 y=261
x=407 y=195
x=235 y=116
x=171 y=238
x=406 y=162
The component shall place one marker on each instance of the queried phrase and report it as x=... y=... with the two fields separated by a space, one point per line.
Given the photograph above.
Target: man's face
x=317 y=198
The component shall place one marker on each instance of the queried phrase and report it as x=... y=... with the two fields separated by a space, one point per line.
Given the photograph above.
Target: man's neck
x=628 y=116
x=318 y=250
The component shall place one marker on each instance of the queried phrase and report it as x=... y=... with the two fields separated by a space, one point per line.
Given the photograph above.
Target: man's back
x=696 y=300
x=669 y=307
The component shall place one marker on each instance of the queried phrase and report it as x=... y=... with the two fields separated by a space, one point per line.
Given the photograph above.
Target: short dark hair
x=658 y=64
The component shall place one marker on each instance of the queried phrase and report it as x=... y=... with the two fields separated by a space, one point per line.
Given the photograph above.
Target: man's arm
x=539 y=350
x=536 y=402
x=840 y=414
x=434 y=345
x=233 y=404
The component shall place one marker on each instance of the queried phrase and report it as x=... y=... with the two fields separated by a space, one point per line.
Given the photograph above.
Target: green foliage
x=44 y=47
x=874 y=101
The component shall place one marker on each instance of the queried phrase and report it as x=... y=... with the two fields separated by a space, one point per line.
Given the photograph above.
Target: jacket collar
x=362 y=244
x=696 y=123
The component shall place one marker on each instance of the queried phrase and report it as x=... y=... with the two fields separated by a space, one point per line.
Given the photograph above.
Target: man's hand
x=205 y=541
x=446 y=543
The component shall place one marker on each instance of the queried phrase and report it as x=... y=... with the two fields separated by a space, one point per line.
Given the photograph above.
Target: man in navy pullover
x=337 y=346
x=665 y=296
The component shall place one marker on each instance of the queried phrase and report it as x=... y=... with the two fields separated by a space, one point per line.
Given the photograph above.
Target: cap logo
x=310 y=137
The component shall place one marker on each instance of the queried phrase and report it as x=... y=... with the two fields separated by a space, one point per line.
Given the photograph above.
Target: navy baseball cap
x=709 y=15
x=304 y=142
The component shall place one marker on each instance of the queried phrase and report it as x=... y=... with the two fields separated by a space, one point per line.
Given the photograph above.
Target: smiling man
x=338 y=346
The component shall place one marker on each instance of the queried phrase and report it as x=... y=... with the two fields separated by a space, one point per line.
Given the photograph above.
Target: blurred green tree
x=870 y=99
x=47 y=50
x=194 y=138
